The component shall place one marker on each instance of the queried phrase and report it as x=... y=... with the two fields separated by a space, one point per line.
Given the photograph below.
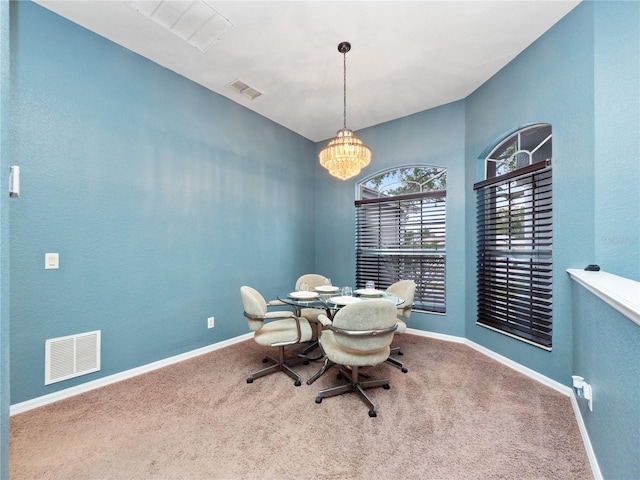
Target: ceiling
x=406 y=57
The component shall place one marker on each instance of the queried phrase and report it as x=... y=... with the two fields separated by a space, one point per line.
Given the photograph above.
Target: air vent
x=194 y=22
x=246 y=90
x=71 y=356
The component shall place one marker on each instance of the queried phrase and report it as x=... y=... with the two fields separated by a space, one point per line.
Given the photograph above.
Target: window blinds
x=403 y=238
x=514 y=263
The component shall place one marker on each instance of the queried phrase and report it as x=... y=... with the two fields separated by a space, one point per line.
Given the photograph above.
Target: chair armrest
x=298 y=329
x=324 y=320
x=277 y=315
x=280 y=303
x=364 y=333
x=270 y=315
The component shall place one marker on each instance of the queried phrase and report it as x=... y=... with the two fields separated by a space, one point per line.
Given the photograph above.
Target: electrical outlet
x=210 y=322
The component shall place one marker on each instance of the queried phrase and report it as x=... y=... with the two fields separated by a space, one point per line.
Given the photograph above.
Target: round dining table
x=330 y=300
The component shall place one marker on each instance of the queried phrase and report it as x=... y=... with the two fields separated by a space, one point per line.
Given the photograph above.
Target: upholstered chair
x=359 y=336
x=274 y=329
x=312 y=280
x=406 y=290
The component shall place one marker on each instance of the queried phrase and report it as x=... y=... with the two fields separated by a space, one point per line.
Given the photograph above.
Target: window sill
x=621 y=293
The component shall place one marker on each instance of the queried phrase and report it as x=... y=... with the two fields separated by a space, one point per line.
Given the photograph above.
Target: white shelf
x=621 y=293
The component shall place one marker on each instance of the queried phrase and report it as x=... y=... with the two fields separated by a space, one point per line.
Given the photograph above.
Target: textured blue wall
x=617 y=137
x=433 y=137
x=607 y=344
x=161 y=198
x=5 y=395
x=552 y=82
x=607 y=356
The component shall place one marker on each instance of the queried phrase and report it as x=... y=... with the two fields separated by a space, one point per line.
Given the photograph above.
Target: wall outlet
x=210 y=322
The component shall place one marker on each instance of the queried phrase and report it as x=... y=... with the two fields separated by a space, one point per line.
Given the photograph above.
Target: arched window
x=525 y=147
x=401 y=232
x=515 y=237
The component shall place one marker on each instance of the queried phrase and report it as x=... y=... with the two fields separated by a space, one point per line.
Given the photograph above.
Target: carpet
x=456 y=414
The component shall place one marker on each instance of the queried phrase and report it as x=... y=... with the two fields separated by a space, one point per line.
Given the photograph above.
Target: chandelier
x=345 y=154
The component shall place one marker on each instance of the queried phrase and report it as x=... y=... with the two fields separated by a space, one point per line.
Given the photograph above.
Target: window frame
x=386 y=248
x=515 y=247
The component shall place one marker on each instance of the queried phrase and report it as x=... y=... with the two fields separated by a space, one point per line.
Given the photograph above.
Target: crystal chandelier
x=345 y=155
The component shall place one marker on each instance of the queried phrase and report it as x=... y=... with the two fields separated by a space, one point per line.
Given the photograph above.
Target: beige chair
x=312 y=280
x=358 y=336
x=406 y=290
x=274 y=329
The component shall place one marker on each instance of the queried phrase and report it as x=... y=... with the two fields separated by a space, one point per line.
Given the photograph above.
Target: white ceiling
x=406 y=56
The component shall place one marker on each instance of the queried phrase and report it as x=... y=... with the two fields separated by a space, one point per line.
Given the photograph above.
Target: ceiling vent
x=246 y=90
x=194 y=22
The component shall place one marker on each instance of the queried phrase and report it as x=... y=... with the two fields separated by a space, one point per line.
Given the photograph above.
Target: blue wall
x=606 y=344
x=617 y=138
x=5 y=395
x=161 y=198
x=607 y=349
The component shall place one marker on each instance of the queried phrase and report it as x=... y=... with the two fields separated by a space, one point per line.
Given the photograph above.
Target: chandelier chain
x=344 y=90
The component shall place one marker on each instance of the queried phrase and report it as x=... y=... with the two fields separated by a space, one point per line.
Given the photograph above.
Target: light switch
x=50 y=260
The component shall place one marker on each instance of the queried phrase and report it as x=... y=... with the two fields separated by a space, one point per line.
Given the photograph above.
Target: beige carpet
x=456 y=415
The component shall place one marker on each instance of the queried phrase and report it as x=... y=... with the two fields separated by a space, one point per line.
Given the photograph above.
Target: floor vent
x=71 y=356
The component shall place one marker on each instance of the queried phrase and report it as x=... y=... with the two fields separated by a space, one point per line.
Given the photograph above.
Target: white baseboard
x=593 y=461
x=557 y=386
x=437 y=336
x=101 y=382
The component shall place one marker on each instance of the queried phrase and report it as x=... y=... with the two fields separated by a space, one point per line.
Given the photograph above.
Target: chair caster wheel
x=404 y=370
x=386 y=387
x=306 y=362
x=265 y=360
x=297 y=383
x=372 y=413
x=318 y=399
x=249 y=380
x=400 y=353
